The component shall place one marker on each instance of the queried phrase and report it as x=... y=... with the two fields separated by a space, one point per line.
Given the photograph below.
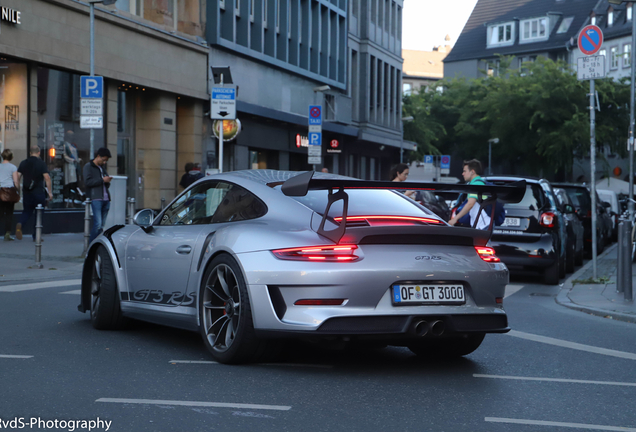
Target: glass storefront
x=65 y=147
x=14 y=101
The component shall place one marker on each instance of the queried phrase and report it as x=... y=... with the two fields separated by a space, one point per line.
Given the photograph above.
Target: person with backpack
x=471 y=173
x=191 y=175
x=35 y=174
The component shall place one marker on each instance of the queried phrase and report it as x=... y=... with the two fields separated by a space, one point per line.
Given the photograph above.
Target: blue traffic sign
x=445 y=164
x=315 y=138
x=590 y=39
x=91 y=87
x=315 y=115
x=428 y=159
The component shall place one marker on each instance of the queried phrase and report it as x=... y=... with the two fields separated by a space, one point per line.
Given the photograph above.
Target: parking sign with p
x=91 y=87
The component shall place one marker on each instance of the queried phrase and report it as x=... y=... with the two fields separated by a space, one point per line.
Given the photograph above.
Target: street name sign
x=590 y=67
x=590 y=40
x=91 y=106
x=223 y=103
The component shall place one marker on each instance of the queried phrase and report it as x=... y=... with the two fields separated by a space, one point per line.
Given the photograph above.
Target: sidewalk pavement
x=61 y=259
x=599 y=299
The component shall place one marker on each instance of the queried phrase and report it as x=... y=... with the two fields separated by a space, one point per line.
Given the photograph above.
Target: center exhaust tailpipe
x=420 y=328
x=437 y=328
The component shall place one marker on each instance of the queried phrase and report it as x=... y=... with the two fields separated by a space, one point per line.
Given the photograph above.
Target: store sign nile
x=10 y=15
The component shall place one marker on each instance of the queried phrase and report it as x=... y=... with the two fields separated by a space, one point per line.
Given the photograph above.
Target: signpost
x=314 y=154
x=223 y=107
x=91 y=106
x=590 y=41
x=445 y=164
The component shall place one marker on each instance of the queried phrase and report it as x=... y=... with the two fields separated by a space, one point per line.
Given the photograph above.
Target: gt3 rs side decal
x=175 y=298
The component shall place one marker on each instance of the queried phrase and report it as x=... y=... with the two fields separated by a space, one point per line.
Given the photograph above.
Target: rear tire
x=551 y=274
x=562 y=265
x=226 y=315
x=105 y=304
x=579 y=257
x=448 y=347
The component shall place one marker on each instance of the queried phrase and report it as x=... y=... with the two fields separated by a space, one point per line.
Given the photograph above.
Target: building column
x=189 y=135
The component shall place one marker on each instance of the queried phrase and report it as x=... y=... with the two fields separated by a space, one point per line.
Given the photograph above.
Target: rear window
x=580 y=198
x=534 y=199
x=364 y=202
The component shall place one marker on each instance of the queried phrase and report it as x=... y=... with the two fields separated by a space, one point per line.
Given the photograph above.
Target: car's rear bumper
x=540 y=251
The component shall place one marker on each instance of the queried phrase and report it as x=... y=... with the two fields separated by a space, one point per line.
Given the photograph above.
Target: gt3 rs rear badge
x=427 y=258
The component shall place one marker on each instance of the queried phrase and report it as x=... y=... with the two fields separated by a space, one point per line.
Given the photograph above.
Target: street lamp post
x=490 y=143
x=404 y=119
x=92 y=55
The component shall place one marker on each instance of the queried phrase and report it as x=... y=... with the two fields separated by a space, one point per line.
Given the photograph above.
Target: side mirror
x=144 y=219
x=568 y=209
x=605 y=204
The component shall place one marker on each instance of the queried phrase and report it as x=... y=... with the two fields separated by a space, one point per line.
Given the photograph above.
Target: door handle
x=184 y=249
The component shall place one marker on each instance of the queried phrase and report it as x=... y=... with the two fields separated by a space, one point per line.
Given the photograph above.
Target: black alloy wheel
x=105 y=304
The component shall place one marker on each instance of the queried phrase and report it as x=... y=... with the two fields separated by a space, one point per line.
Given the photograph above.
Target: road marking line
x=511 y=289
x=72 y=292
x=558 y=424
x=255 y=364
x=39 y=285
x=572 y=345
x=15 y=356
x=562 y=380
x=195 y=403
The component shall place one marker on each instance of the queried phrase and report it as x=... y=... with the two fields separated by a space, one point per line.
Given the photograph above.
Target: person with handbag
x=9 y=195
x=35 y=174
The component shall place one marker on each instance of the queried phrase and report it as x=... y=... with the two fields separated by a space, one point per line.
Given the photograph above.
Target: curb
x=563 y=299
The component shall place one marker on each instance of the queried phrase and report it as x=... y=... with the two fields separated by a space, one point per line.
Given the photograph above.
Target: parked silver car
x=246 y=256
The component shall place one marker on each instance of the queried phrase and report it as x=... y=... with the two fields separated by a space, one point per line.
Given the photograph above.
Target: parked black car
x=575 y=231
x=434 y=203
x=533 y=236
x=582 y=200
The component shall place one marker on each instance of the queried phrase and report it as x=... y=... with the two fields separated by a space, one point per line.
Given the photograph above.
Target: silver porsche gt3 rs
x=248 y=256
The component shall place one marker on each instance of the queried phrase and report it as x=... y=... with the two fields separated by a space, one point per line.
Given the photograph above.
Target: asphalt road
x=559 y=370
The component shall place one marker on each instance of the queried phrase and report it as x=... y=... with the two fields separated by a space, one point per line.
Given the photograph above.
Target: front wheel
x=453 y=346
x=226 y=315
x=105 y=305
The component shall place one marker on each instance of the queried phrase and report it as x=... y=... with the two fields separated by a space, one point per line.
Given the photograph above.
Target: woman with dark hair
x=400 y=173
x=9 y=180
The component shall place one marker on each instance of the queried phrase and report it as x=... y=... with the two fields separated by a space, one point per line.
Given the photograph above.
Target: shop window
x=14 y=100
x=65 y=145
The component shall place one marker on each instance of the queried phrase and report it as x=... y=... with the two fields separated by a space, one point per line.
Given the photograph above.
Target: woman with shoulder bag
x=9 y=192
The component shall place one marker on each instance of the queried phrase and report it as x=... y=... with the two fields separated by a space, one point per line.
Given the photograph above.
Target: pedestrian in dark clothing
x=191 y=175
x=97 y=182
x=35 y=174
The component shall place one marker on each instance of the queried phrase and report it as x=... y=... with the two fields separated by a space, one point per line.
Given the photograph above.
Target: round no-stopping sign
x=315 y=112
x=590 y=40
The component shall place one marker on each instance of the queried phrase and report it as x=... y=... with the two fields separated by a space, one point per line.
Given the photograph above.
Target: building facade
x=422 y=69
x=282 y=54
x=154 y=64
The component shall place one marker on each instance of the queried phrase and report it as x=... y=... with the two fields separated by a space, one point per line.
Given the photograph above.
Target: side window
x=213 y=202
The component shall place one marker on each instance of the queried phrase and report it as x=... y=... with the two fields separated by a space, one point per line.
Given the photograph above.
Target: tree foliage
x=539 y=112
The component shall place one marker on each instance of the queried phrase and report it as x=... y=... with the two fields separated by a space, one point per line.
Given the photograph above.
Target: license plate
x=511 y=222
x=429 y=294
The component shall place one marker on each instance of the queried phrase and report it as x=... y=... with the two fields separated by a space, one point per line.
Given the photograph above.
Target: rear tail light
x=319 y=253
x=320 y=302
x=548 y=219
x=487 y=254
x=589 y=213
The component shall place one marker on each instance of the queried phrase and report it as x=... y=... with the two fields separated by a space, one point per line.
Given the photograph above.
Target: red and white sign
x=590 y=40
x=334 y=143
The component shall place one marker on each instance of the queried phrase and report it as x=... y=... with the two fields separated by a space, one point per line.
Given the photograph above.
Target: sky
x=426 y=23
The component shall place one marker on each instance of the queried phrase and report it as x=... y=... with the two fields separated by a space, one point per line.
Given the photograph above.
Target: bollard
x=627 y=257
x=128 y=217
x=163 y=203
x=87 y=225
x=38 y=236
x=620 y=261
x=131 y=210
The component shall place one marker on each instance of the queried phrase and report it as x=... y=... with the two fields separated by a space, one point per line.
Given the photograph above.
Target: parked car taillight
x=487 y=254
x=318 y=253
x=548 y=219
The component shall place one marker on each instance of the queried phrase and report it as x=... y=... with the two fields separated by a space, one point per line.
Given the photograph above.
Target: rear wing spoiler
x=303 y=183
